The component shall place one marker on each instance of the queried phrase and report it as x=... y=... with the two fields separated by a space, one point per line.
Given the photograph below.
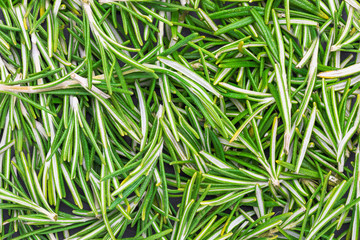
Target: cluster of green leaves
x=247 y=112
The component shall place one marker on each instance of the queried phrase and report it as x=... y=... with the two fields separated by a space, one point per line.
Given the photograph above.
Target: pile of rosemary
x=179 y=119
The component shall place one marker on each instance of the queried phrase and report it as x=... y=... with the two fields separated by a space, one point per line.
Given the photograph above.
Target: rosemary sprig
x=246 y=112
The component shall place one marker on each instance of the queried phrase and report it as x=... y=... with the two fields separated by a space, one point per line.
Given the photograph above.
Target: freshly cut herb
x=174 y=120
